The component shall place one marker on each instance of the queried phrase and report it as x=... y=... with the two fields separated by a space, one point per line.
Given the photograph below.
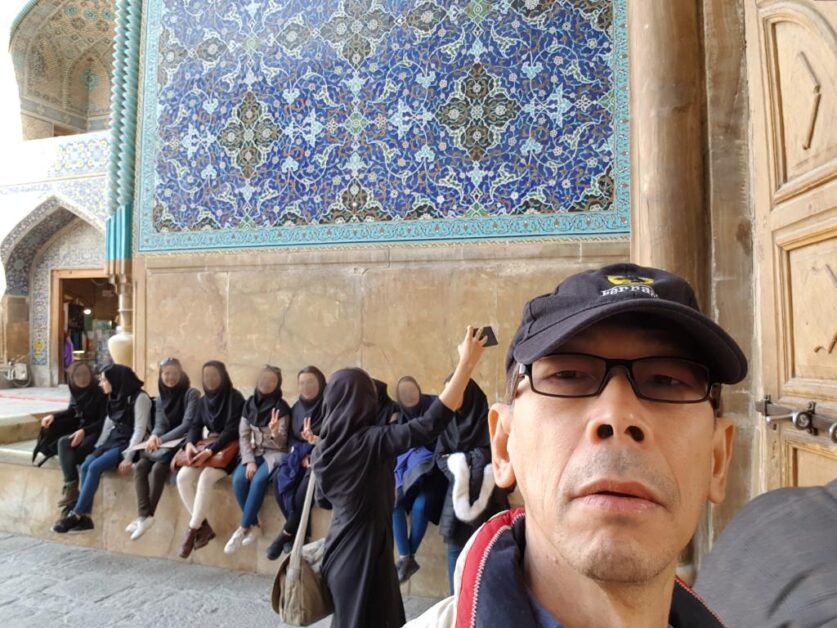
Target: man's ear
x=499 y=425
x=722 y=441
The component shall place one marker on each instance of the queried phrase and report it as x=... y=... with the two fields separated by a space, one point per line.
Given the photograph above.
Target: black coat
x=353 y=463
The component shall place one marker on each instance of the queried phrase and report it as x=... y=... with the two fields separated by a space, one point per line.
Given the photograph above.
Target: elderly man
x=611 y=431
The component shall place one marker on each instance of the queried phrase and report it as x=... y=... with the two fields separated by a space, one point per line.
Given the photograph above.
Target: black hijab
x=410 y=413
x=85 y=400
x=469 y=428
x=350 y=409
x=124 y=387
x=386 y=406
x=173 y=398
x=313 y=408
x=215 y=406
x=259 y=407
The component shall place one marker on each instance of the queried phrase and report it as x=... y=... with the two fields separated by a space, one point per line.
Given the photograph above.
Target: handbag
x=220 y=460
x=299 y=595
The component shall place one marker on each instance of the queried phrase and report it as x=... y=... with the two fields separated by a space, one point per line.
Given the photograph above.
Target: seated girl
x=219 y=412
x=263 y=437
x=414 y=485
x=291 y=478
x=176 y=405
x=128 y=417
x=76 y=429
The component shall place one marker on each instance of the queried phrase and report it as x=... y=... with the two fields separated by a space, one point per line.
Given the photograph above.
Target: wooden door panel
x=801 y=50
x=792 y=69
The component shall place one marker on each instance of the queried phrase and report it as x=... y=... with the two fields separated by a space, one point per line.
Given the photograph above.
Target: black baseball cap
x=590 y=297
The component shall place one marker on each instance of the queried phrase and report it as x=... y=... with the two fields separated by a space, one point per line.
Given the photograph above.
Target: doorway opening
x=86 y=318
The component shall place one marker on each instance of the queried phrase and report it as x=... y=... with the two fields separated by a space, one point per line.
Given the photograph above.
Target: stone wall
x=393 y=311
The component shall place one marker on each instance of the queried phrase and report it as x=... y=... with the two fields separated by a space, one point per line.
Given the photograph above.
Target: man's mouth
x=618 y=496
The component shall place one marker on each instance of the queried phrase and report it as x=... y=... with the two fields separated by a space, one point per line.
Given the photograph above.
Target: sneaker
x=66 y=523
x=235 y=541
x=407 y=566
x=143 y=526
x=74 y=523
x=274 y=550
x=133 y=525
x=252 y=535
x=85 y=524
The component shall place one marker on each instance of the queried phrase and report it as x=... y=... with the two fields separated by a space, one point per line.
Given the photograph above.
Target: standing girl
x=353 y=463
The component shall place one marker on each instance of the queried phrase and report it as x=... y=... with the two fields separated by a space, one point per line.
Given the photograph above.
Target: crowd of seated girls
x=202 y=436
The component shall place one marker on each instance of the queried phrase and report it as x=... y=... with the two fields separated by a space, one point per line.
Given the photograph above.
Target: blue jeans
x=408 y=546
x=453 y=554
x=250 y=493
x=91 y=472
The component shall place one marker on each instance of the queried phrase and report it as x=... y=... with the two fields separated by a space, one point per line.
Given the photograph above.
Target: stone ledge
x=28 y=498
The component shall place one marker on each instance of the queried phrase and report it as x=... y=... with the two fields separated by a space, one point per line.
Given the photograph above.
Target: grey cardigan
x=258 y=441
x=162 y=425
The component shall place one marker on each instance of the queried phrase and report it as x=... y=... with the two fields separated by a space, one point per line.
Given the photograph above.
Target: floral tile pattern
x=282 y=122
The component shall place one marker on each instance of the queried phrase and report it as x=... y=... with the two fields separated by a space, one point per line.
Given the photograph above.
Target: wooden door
x=792 y=69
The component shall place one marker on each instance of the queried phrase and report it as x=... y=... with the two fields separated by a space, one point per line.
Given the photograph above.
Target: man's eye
x=666 y=380
x=567 y=375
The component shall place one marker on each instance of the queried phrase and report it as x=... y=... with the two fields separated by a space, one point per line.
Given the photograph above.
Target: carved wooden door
x=792 y=69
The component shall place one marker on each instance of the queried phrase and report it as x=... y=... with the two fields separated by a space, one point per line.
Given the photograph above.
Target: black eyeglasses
x=579 y=375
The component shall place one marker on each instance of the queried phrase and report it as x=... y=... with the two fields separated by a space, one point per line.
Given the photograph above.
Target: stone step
x=16 y=428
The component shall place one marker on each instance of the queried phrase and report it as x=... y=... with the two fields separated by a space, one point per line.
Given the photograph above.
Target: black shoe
x=73 y=523
x=274 y=550
x=288 y=546
x=85 y=524
x=406 y=568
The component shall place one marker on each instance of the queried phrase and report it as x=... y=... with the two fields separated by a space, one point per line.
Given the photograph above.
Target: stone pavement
x=44 y=584
x=22 y=401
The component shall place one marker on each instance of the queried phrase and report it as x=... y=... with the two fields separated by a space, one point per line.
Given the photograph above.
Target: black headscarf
x=350 y=408
x=259 y=407
x=173 y=398
x=125 y=385
x=215 y=406
x=386 y=406
x=313 y=408
x=85 y=400
x=425 y=401
x=469 y=428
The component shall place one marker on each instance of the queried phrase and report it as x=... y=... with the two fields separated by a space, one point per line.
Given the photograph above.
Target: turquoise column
x=121 y=179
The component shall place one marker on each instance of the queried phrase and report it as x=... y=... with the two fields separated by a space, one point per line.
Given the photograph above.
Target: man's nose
x=617 y=414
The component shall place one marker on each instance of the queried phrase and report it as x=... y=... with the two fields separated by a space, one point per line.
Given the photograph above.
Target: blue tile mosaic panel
x=284 y=122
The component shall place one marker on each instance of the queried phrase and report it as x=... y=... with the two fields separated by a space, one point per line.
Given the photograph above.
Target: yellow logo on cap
x=622 y=280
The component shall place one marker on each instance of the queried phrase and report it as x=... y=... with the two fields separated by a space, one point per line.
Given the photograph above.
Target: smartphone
x=488 y=333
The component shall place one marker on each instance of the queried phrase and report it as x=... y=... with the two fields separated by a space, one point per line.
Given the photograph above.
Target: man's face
x=613 y=485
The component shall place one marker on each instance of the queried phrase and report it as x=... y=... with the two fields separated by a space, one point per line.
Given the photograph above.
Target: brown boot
x=205 y=535
x=188 y=543
x=70 y=493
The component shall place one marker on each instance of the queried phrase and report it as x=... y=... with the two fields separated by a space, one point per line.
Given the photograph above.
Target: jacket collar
x=491 y=592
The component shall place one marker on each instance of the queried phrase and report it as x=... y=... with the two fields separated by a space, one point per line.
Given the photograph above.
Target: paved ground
x=21 y=401
x=44 y=584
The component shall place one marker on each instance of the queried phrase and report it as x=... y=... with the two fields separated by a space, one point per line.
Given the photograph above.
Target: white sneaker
x=252 y=535
x=235 y=541
x=133 y=525
x=143 y=526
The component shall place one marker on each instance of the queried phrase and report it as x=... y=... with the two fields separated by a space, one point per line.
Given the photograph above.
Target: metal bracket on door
x=807 y=420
